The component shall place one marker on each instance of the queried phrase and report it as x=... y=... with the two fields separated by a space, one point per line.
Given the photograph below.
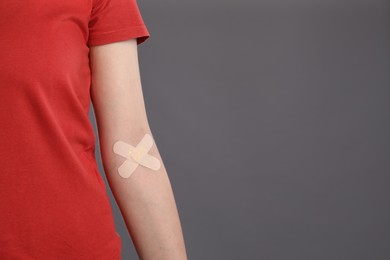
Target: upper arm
x=116 y=89
x=116 y=28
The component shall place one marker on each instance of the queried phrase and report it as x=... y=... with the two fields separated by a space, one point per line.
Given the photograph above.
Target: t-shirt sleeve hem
x=141 y=33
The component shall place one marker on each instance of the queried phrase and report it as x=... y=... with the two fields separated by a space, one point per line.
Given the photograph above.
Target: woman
x=56 y=58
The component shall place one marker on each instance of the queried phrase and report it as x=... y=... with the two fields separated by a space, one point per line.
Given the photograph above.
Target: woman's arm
x=145 y=198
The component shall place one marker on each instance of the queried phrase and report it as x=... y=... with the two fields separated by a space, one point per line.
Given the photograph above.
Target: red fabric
x=53 y=202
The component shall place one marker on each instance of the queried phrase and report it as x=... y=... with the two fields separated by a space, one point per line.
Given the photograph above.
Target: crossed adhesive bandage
x=136 y=156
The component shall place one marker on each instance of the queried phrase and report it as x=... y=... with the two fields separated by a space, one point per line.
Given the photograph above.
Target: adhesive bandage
x=136 y=156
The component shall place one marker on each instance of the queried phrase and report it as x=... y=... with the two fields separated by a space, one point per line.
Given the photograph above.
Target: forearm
x=146 y=201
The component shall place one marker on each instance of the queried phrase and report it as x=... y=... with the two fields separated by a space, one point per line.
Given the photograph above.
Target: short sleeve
x=116 y=20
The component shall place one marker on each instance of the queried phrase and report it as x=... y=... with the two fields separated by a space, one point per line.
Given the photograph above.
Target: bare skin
x=145 y=199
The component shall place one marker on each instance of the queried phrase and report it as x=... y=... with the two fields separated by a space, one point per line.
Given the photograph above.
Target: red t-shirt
x=53 y=202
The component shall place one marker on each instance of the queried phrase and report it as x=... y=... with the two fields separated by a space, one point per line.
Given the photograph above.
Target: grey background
x=272 y=118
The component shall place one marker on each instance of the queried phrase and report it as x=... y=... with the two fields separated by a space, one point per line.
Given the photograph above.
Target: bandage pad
x=135 y=156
